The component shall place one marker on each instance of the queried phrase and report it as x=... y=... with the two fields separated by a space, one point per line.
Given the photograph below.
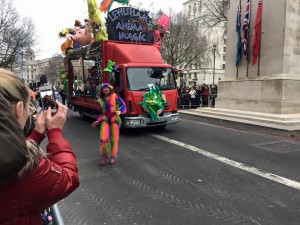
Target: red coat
x=205 y=95
x=50 y=181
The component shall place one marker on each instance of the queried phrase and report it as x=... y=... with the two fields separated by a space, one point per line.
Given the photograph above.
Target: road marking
x=242 y=166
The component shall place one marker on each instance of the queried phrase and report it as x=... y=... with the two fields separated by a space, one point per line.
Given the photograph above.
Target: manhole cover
x=280 y=146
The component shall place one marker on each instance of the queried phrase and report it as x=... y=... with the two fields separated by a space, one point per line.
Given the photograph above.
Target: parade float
x=125 y=52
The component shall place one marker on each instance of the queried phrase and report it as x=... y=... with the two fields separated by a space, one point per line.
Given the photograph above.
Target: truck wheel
x=81 y=115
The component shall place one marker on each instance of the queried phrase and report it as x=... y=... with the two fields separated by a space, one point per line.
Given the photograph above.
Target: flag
x=246 y=26
x=239 y=46
x=257 y=34
x=164 y=21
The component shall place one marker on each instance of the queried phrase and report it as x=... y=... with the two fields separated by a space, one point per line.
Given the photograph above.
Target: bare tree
x=16 y=34
x=52 y=69
x=215 y=12
x=184 y=45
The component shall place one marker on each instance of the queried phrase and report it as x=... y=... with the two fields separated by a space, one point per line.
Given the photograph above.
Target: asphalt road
x=156 y=181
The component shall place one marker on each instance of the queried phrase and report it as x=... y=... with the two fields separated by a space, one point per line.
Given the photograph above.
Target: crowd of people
x=198 y=96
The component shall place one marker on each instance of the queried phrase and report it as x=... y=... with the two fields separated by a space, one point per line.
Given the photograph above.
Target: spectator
x=42 y=181
x=63 y=96
x=214 y=92
x=198 y=96
x=13 y=146
x=205 y=96
x=192 y=94
x=38 y=98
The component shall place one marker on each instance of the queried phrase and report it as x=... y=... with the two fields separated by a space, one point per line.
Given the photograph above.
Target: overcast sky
x=55 y=15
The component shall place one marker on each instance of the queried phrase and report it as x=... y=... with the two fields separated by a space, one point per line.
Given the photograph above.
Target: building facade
x=213 y=70
x=30 y=69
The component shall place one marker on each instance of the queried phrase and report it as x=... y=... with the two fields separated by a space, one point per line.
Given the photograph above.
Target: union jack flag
x=246 y=28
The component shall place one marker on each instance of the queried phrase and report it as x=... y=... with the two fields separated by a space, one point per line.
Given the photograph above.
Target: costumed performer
x=111 y=106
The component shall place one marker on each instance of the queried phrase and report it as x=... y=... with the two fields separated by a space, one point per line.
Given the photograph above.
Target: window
x=200 y=5
x=223 y=66
x=141 y=79
x=224 y=49
x=195 y=7
x=190 y=8
x=190 y=76
x=224 y=57
x=195 y=75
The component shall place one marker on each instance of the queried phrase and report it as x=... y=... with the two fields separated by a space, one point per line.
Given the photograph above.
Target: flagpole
x=250 y=16
x=237 y=68
x=258 y=63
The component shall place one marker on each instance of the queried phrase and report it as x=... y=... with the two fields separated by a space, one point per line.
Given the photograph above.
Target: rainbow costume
x=110 y=122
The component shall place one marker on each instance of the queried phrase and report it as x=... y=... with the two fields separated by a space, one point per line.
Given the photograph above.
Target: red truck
x=140 y=66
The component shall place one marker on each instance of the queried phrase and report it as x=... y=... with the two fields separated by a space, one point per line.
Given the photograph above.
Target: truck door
x=116 y=80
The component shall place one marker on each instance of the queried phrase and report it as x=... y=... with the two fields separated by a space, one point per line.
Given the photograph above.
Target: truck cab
x=142 y=67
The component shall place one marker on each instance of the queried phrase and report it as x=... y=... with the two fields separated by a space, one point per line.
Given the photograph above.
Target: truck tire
x=81 y=115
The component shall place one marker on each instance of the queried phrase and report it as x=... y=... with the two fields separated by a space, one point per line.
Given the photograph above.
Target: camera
x=48 y=98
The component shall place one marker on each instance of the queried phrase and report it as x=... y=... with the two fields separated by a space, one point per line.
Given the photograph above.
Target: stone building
x=196 y=11
x=30 y=69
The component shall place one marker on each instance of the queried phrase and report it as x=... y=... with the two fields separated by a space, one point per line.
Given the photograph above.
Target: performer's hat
x=104 y=85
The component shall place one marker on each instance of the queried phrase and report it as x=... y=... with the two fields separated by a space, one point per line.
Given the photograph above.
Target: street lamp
x=214 y=50
x=22 y=64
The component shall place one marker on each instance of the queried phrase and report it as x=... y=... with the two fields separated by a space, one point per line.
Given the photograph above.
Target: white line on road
x=250 y=169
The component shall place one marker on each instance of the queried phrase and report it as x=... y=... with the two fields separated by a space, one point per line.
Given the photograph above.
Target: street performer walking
x=111 y=106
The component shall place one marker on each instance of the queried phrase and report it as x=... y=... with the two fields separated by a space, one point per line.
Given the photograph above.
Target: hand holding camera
x=47 y=121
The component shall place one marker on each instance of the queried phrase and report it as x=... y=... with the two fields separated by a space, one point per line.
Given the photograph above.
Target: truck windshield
x=141 y=79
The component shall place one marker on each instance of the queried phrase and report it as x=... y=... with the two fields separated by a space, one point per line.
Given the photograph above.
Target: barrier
x=52 y=216
x=57 y=218
x=186 y=102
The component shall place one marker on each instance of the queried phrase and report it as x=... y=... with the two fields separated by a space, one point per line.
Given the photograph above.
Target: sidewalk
x=288 y=122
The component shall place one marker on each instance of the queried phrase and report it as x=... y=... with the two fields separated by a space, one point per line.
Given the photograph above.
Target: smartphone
x=48 y=98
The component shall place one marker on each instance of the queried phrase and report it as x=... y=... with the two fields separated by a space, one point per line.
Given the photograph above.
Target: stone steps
x=289 y=122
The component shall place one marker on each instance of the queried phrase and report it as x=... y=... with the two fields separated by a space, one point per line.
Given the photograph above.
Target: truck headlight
x=175 y=118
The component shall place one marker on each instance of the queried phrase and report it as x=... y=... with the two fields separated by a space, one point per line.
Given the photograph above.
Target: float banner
x=130 y=25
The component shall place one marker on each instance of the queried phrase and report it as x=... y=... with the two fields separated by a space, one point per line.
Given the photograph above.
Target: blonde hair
x=14 y=90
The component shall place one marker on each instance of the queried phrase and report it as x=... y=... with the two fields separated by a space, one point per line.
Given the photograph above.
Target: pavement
x=200 y=171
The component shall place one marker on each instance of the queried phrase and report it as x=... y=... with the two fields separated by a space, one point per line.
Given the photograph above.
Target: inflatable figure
x=97 y=24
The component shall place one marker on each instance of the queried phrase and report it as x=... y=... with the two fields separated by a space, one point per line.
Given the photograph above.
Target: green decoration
x=153 y=102
x=66 y=86
x=110 y=66
x=63 y=74
x=125 y=2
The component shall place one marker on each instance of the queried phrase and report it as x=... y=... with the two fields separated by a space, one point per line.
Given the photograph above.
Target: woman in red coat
x=46 y=178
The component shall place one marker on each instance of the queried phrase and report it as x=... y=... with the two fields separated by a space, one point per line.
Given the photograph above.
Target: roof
x=123 y=53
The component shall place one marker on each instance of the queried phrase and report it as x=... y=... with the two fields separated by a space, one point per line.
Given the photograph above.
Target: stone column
x=276 y=88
